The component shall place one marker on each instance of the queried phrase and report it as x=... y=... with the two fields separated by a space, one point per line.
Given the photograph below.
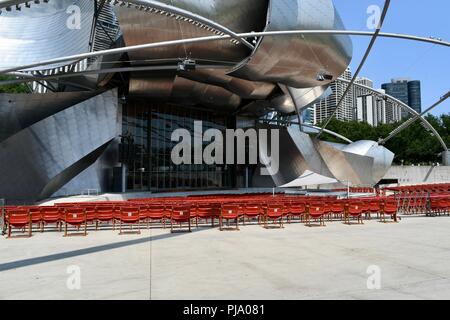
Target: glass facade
x=147 y=146
x=406 y=91
x=415 y=95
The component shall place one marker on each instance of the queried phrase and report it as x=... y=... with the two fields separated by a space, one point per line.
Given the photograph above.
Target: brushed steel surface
x=362 y=163
x=244 y=88
x=139 y=26
x=276 y=59
x=19 y=111
x=32 y=159
x=189 y=92
x=41 y=33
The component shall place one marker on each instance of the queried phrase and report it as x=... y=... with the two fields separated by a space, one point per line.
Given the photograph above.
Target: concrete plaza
x=294 y=263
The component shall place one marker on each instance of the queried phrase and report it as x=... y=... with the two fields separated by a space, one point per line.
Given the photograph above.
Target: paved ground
x=413 y=258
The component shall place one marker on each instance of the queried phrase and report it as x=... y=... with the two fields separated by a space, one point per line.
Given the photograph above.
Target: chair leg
x=9 y=230
x=65 y=229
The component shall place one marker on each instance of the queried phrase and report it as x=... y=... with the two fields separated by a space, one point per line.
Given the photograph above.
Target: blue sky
x=392 y=58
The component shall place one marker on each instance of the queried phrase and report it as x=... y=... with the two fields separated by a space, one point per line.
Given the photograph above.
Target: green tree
x=12 y=88
x=415 y=145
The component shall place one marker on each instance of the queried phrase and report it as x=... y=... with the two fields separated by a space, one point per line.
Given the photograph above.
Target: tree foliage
x=12 y=88
x=415 y=145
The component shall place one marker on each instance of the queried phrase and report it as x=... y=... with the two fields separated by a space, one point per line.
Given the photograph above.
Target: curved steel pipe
x=215 y=38
x=361 y=65
x=402 y=104
x=31 y=78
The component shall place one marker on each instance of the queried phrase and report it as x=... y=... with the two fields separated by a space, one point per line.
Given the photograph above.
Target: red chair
x=75 y=217
x=36 y=217
x=18 y=218
x=205 y=212
x=252 y=211
x=355 y=210
x=130 y=216
x=180 y=214
x=143 y=214
x=157 y=212
x=104 y=214
x=297 y=209
x=390 y=209
x=366 y=208
x=229 y=212
x=316 y=211
x=51 y=215
x=274 y=212
x=374 y=208
x=338 y=210
x=91 y=215
x=444 y=206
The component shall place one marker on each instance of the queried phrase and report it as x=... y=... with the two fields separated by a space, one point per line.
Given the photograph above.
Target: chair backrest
x=390 y=207
x=129 y=214
x=36 y=214
x=51 y=213
x=298 y=207
x=317 y=208
x=275 y=209
x=18 y=217
x=252 y=209
x=181 y=212
x=230 y=211
x=375 y=206
x=104 y=212
x=337 y=207
x=355 y=208
x=205 y=210
x=156 y=211
x=75 y=215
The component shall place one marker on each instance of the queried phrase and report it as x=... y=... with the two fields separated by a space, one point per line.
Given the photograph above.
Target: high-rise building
x=406 y=91
x=325 y=107
x=375 y=110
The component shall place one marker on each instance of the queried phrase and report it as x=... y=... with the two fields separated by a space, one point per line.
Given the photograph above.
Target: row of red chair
x=276 y=210
x=421 y=199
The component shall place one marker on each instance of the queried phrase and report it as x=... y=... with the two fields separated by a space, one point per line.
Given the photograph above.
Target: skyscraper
x=375 y=110
x=406 y=91
x=325 y=107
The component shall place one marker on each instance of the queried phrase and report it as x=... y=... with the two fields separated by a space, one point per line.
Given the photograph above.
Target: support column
x=446 y=158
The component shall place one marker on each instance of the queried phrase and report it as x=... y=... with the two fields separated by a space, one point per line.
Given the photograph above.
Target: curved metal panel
x=41 y=33
x=140 y=26
x=157 y=85
x=32 y=158
x=243 y=88
x=362 y=163
x=19 y=111
x=71 y=172
x=294 y=60
x=189 y=92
